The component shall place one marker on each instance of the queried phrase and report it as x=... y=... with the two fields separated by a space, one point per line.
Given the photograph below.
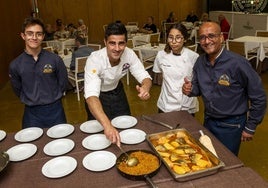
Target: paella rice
x=147 y=164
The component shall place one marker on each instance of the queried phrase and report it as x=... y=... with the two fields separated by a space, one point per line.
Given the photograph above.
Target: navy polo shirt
x=38 y=82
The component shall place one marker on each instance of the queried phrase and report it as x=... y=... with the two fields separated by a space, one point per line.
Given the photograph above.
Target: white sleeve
x=92 y=77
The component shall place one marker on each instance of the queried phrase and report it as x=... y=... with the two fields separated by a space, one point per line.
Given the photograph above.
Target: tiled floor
x=254 y=154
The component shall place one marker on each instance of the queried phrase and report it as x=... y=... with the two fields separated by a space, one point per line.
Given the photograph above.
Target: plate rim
x=86 y=158
x=129 y=116
x=49 y=131
x=46 y=147
x=33 y=147
x=4 y=134
x=84 y=130
x=94 y=135
x=128 y=130
x=38 y=130
x=53 y=160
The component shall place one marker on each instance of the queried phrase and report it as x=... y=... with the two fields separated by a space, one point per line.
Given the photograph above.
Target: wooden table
x=28 y=173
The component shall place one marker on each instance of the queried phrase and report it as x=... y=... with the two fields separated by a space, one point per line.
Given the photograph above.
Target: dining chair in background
x=192 y=47
x=95 y=47
x=133 y=23
x=80 y=64
x=241 y=49
x=104 y=27
x=48 y=48
x=130 y=43
x=44 y=44
x=147 y=63
x=154 y=38
x=196 y=37
x=261 y=33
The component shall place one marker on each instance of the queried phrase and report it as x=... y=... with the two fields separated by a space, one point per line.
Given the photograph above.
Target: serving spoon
x=131 y=161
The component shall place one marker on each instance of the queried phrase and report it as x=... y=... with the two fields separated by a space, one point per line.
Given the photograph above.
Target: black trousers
x=114 y=103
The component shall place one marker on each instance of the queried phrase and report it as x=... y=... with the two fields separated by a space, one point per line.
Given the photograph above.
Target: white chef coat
x=101 y=76
x=175 y=69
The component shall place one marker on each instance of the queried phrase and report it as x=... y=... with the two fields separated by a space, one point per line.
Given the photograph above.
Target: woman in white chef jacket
x=175 y=63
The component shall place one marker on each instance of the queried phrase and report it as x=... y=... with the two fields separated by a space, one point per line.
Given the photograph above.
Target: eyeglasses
x=176 y=39
x=210 y=37
x=31 y=34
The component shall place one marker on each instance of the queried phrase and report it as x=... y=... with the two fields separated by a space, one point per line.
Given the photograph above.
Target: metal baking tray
x=216 y=162
x=4 y=160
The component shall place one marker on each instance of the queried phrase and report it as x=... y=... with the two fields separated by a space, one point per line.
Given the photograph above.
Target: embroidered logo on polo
x=224 y=80
x=47 y=69
x=125 y=67
x=93 y=71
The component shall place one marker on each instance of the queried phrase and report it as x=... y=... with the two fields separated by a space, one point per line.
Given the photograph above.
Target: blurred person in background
x=149 y=27
x=73 y=33
x=82 y=28
x=49 y=32
x=82 y=50
x=225 y=26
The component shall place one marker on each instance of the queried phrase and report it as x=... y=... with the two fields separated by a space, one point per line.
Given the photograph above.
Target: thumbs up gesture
x=186 y=87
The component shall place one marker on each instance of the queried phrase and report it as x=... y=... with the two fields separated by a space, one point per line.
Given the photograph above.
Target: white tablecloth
x=148 y=51
x=67 y=59
x=140 y=39
x=255 y=42
x=132 y=28
x=61 y=44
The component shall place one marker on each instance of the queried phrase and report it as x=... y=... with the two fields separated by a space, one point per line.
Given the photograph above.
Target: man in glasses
x=232 y=91
x=104 y=92
x=39 y=79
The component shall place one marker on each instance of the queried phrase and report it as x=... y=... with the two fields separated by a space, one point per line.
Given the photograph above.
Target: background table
x=28 y=173
x=61 y=44
x=255 y=42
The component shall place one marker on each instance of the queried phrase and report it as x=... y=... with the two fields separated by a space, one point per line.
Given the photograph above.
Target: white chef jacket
x=175 y=69
x=101 y=76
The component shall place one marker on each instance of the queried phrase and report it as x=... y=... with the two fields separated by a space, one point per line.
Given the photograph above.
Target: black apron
x=114 y=103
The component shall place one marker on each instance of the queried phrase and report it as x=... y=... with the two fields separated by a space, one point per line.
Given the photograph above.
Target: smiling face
x=33 y=37
x=115 y=45
x=211 y=39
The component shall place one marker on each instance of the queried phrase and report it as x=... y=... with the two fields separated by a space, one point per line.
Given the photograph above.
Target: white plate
x=60 y=130
x=132 y=136
x=28 y=134
x=96 y=142
x=99 y=161
x=92 y=126
x=124 y=122
x=21 y=152
x=58 y=147
x=59 y=167
x=2 y=135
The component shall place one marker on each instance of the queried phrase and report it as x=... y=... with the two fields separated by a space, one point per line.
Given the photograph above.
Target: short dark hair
x=81 y=40
x=58 y=22
x=183 y=31
x=71 y=25
x=115 y=29
x=32 y=21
